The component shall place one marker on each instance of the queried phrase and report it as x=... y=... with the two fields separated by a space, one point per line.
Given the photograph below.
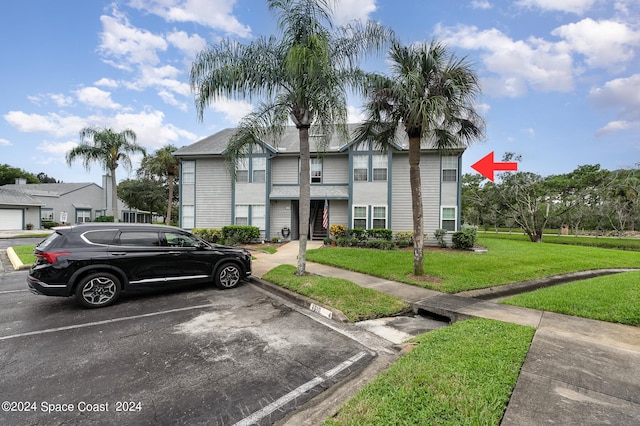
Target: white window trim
x=366 y=216
x=455 y=217
x=386 y=216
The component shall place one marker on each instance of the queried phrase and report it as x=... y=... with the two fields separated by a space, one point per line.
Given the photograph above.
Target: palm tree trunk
x=114 y=196
x=305 y=198
x=170 y=203
x=416 y=204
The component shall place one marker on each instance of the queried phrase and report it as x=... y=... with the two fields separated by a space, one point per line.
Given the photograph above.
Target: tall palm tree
x=302 y=77
x=162 y=163
x=430 y=96
x=109 y=148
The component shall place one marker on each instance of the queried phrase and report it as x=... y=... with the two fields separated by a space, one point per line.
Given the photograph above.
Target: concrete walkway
x=577 y=371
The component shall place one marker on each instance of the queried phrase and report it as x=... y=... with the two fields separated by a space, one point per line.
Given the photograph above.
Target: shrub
x=212 y=235
x=240 y=234
x=439 y=234
x=343 y=242
x=380 y=244
x=104 y=219
x=275 y=239
x=358 y=234
x=327 y=241
x=380 y=234
x=464 y=239
x=338 y=231
x=404 y=236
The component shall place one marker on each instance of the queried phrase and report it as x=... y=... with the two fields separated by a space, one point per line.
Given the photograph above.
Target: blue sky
x=560 y=78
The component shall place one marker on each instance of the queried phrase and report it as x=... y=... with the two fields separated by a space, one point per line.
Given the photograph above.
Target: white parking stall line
x=281 y=402
x=110 y=321
x=13 y=291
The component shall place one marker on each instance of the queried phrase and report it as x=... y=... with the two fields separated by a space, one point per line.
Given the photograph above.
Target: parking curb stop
x=15 y=260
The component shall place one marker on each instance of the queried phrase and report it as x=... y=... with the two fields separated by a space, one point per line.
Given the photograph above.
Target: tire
x=98 y=290
x=228 y=275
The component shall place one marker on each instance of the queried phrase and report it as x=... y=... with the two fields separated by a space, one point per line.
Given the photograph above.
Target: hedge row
x=229 y=235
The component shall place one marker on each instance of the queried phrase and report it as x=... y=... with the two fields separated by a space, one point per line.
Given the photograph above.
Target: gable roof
x=49 y=189
x=289 y=143
x=16 y=198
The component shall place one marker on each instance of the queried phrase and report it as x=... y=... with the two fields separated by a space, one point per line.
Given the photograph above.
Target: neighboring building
x=65 y=203
x=362 y=188
x=18 y=210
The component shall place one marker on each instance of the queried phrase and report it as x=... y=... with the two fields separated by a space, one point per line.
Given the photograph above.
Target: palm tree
x=430 y=96
x=162 y=163
x=109 y=148
x=302 y=76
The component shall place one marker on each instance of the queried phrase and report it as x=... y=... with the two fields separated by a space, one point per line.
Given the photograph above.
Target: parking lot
x=195 y=356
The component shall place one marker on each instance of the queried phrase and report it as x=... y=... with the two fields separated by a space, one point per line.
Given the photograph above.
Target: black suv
x=98 y=261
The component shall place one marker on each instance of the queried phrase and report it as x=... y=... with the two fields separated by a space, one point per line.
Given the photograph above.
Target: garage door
x=10 y=219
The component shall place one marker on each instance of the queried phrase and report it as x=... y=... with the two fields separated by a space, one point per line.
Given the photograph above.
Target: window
x=360 y=217
x=83 y=216
x=449 y=169
x=175 y=239
x=242 y=170
x=188 y=172
x=242 y=215
x=259 y=169
x=188 y=216
x=137 y=238
x=46 y=215
x=316 y=170
x=360 y=168
x=100 y=237
x=379 y=217
x=380 y=167
x=448 y=220
x=257 y=217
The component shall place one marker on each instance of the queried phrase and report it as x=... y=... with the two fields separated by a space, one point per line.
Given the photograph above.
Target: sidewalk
x=577 y=372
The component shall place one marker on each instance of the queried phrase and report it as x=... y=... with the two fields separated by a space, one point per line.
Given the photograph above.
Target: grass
x=601 y=242
x=460 y=375
x=357 y=303
x=507 y=261
x=25 y=254
x=613 y=298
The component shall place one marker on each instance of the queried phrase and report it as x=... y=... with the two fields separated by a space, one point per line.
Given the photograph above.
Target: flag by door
x=325 y=215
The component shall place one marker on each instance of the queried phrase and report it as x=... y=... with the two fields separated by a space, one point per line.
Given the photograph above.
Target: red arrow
x=486 y=166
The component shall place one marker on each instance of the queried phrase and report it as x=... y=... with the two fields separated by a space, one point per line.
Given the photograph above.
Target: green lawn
x=613 y=298
x=460 y=375
x=357 y=303
x=506 y=262
x=601 y=242
x=25 y=253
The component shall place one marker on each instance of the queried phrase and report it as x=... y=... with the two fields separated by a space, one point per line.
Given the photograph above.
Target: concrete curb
x=300 y=300
x=15 y=260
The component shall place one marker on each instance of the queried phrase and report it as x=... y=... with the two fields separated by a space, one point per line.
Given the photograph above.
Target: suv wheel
x=228 y=275
x=98 y=290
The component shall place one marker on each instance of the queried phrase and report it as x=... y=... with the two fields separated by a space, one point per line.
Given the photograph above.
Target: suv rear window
x=139 y=239
x=51 y=238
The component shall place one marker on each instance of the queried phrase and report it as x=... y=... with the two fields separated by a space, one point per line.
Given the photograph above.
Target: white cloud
x=233 y=110
x=617 y=126
x=622 y=95
x=569 y=6
x=520 y=64
x=481 y=4
x=53 y=124
x=56 y=150
x=606 y=44
x=127 y=44
x=57 y=98
x=95 y=97
x=169 y=99
x=355 y=114
x=4 y=142
x=216 y=14
x=107 y=82
x=346 y=11
x=190 y=45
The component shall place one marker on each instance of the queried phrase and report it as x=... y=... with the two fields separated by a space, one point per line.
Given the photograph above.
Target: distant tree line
x=9 y=174
x=587 y=199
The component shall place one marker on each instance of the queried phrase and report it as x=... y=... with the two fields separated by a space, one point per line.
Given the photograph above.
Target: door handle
x=118 y=253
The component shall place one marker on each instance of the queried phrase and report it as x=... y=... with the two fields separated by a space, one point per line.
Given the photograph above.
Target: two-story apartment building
x=361 y=187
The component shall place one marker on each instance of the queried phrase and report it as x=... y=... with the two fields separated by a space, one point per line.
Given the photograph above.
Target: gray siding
x=284 y=170
x=339 y=213
x=335 y=169
x=280 y=217
x=213 y=195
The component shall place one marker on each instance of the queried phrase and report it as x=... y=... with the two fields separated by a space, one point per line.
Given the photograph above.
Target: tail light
x=51 y=256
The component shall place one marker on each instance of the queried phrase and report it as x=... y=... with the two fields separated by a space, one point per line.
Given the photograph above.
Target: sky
x=560 y=79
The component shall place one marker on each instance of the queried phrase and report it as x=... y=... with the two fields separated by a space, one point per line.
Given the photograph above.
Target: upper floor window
x=259 y=169
x=242 y=170
x=360 y=168
x=188 y=172
x=449 y=169
x=315 y=164
x=379 y=167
